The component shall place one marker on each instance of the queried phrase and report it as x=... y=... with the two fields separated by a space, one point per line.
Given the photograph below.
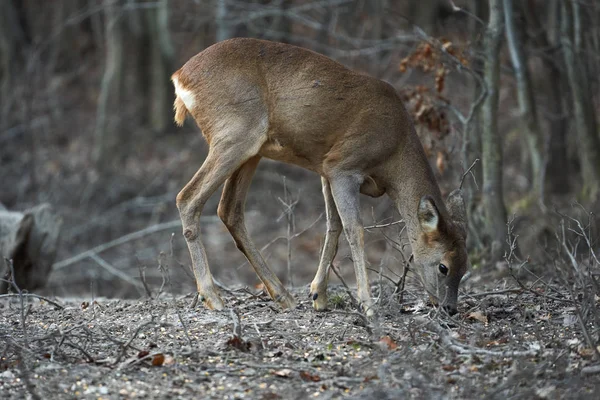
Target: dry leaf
x=271 y=396
x=158 y=360
x=388 y=342
x=402 y=66
x=479 y=316
x=586 y=351
x=440 y=77
x=283 y=373
x=308 y=377
x=497 y=342
x=238 y=343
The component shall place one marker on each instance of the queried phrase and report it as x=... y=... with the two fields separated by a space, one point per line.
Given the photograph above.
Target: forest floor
x=505 y=342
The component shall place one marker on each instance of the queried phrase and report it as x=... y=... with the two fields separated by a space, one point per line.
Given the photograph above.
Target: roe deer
x=254 y=98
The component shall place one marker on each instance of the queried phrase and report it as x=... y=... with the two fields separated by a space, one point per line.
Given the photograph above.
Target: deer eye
x=443 y=269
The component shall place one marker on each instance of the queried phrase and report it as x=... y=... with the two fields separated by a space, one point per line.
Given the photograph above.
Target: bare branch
x=384 y=225
x=466 y=172
x=124 y=239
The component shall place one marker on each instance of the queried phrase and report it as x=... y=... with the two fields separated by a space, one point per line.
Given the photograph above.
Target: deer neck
x=413 y=179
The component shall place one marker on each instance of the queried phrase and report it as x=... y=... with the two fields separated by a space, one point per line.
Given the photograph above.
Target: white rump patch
x=187 y=96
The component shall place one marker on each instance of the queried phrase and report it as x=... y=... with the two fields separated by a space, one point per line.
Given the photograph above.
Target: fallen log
x=30 y=240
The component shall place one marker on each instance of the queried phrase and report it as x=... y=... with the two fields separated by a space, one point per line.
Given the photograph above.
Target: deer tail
x=179 y=106
x=180 y=111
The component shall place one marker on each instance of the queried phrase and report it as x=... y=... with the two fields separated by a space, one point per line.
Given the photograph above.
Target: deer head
x=440 y=249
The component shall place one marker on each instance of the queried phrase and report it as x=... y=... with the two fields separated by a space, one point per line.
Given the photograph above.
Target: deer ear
x=429 y=216
x=456 y=208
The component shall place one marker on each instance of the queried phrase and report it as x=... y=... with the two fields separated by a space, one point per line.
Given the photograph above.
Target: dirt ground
x=505 y=342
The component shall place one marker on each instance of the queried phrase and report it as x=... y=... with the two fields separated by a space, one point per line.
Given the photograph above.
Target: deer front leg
x=318 y=287
x=231 y=212
x=219 y=164
x=345 y=190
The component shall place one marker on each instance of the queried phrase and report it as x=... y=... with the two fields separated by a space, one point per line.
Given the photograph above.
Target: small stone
x=7 y=375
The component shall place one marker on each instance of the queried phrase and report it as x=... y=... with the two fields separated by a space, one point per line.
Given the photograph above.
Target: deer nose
x=451 y=310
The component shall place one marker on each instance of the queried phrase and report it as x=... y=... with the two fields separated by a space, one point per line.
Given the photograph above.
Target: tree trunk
x=585 y=123
x=527 y=106
x=376 y=9
x=557 y=171
x=493 y=202
x=107 y=119
x=159 y=107
x=471 y=149
x=427 y=14
x=223 y=28
x=13 y=36
x=142 y=34
x=323 y=33
x=472 y=145
x=280 y=24
x=14 y=39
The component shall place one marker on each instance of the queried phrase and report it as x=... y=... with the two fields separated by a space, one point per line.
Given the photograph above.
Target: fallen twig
x=368 y=327
x=36 y=296
x=137 y=360
x=460 y=348
x=19 y=293
x=493 y=292
x=25 y=376
x=87 y=355
x=125 y=346
x=590 y=370
x=237 y=326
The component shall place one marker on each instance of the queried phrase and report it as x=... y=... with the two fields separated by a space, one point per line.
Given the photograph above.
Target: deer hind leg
x=231 y=212
x=318 y=287
x=221 y=162
x=345 y=190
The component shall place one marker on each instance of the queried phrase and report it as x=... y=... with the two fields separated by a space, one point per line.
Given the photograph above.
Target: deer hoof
x=211 y=300
x=286 y=301
x=368 y=310
x=319 y=301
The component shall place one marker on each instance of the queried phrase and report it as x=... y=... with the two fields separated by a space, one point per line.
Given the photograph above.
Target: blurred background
x=504 y=94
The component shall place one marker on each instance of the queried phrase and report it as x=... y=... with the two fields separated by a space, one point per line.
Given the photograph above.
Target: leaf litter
x=163 y=349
